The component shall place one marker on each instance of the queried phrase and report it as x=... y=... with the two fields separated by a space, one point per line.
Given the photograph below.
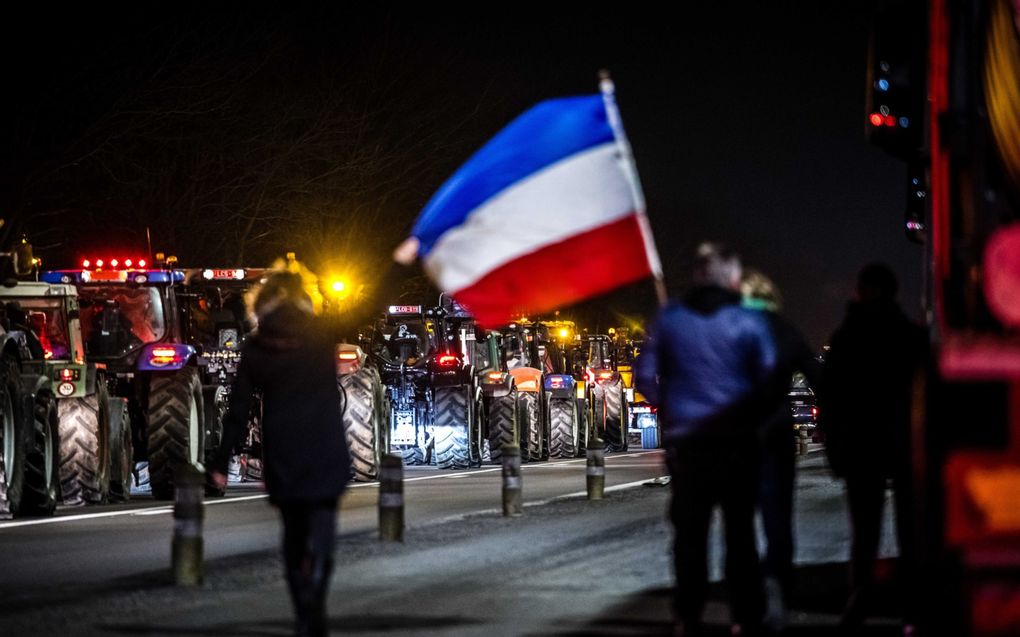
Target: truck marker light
x=99 y=263
x=141 y=263
x=114 y=263
x=86 y=263
x=127 y=263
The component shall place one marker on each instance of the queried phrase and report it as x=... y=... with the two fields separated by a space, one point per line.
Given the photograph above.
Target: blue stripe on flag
x=547 y=133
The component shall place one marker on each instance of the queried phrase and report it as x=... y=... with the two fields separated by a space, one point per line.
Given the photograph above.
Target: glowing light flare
x=141 y=263
x=447 y=360
x=347 y=356
x=495 y=375
x=876 y=119
x=114 y=263
x=86 y=264
x=99 y=263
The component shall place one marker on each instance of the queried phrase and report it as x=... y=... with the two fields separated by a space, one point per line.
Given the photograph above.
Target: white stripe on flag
x=577 y=194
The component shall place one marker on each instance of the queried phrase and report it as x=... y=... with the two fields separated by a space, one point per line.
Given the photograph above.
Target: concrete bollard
x=802 y=442
x=391 y=499
x=512 y=501
x=187 y=546
x=596 y=472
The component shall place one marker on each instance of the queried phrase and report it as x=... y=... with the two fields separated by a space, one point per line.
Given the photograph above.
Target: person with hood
x=864 y=413
x=703 y=367
x=775 y=497
x=290 y=360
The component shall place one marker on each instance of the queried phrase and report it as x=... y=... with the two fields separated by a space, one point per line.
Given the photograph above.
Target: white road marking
x=161 y=509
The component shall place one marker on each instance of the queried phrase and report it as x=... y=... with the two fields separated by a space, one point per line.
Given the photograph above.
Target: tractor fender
x=527 y=379
x=560 y=386
x=33 y=384
x=496 y=384
x=165 y=357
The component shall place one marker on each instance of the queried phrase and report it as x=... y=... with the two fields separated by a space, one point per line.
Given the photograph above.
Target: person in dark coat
x=865 y=416
x=775 y=495
x=291 y=361
x=703 y=365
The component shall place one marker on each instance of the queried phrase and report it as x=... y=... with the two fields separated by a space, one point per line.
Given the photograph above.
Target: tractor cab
x=215 y=307
x=123 y=308
x=404 y=337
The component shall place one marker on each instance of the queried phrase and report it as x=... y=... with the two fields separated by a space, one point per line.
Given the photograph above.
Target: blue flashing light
x=904 y=122
x=882 y=84
x=65 y=276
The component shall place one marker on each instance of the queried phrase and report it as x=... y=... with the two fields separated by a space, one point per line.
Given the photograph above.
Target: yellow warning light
x=170 y=260
x=612 y=331
x=564 y=332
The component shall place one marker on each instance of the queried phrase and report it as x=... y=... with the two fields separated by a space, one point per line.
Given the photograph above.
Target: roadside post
x=512 y=501
x=187 y=546
x=596 y=469
x=391 y=499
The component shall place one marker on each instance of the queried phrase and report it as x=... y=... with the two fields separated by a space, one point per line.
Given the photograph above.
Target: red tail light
x=141 y=263
x=67 y=374
x=814 y=412
x=85 y=264
x=603 y=376
x=447 y=360
x=127 y=263
x=99 y=263
x=114 y=263
x=162 y=356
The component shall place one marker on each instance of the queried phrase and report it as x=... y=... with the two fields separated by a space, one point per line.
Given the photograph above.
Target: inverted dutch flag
x=547 y=213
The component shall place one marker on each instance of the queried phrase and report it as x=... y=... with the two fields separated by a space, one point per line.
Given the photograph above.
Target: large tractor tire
x=531 y=427
x=215 y=399
x=13 y=440
x=563 y=428
x=42 y=466
x=598 y=417
x=615 y=433
x=502 y=425
x=122 y=451
x=174 y=430
x=360 y=422
x=583 y=425
x=452 y=431
x=85 y=448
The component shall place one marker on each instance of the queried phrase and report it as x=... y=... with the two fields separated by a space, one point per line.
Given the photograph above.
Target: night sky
x=235 y=133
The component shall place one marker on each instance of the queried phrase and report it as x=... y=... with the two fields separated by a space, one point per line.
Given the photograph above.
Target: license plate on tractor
x=403 y=428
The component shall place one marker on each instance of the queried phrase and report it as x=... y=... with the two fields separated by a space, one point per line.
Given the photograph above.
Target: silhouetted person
x=307 y=464
x=704 y=363
x=865 y=415
x=775 y=497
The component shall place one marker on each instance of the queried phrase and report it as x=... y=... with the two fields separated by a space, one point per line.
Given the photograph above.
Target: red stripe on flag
x=559 y=274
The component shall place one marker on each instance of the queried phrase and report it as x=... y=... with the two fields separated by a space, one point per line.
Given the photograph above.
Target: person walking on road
x=291 y=361
x=706 y=360
x=865 y=416
x=775 y=496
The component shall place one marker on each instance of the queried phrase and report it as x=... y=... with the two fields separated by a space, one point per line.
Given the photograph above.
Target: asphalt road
x=84 y=548
x=567 y=567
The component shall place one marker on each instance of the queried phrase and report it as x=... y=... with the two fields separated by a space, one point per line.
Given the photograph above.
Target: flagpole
x=608 y=90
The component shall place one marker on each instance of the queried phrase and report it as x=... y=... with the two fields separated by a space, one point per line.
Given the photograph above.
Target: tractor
x=29 y=430
x=133 y=320
x=95 y=448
